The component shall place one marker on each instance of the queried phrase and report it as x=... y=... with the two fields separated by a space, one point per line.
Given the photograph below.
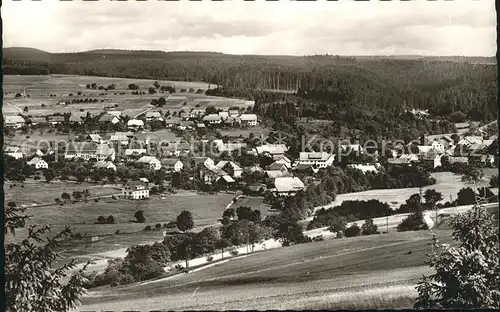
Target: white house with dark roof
x=135 y=190
x=153 y=162
x=172 y=164
x=14 y=151
x=38 y=163
x=318 y=159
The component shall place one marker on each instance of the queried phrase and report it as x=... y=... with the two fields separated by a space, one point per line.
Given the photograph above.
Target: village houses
x=104 y=164
x=318 y=159
x=287 y=186
x=15 y=122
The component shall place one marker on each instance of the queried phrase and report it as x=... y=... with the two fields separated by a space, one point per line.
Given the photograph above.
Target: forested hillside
x=331 y=86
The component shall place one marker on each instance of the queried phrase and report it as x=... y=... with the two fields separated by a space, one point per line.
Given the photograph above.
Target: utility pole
x=387 y=224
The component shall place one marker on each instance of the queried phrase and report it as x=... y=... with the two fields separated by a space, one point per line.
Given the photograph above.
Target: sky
x=418 y=27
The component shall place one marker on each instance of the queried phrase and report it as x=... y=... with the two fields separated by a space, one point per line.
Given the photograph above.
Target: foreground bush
x=468 y=275
x=352 y=231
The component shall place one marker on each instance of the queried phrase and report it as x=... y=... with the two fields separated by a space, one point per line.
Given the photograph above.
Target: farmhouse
x=135 y=124
x=103 y=164
x=320 y=160
x=106 y=119
x=212 y=119
x=153 y=162
x=256 y=189
x=176 y=149
x=135 y=190
x=432 y=159
x=286 y=186
x=172 y=164
x=271 y=149
x=224 y=181
x=233 y=169
x=38 y=163
x=135 y=151
x=223 y=115
x=38 y=121
x=248 y=119
x=185 y=125
x=15 y=122
x=211 y=174
x=305 y=167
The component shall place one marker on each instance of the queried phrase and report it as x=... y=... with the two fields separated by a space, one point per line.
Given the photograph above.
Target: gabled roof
x=107 y=118
x=135 y=122
x=104 y=164
x=134 y=185
x=224 y=163
x=212 y=117
x=273 y=174
x=272 y=149
x=256 y=187
x=34 y=161
x=288 y=184
x=82 y=147
x=281 y=158
x=277 y=166
x=13 y=119
x=474 y=139
x=169 y=161
x=226 y=178
x=95 y=137
x=118 y=137
x=151 y=114
x=77 y=116
x=147 y=159
x=137 y=151
x=314 y=156
x=248 y=117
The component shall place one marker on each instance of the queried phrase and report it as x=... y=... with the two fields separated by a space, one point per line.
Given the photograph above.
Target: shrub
x=414 y=222
x=164 y=225
x=139 y=216
x=368 y=228
x=352 y=231
x=117 y=232
x=113 y=197
x=147 y=228
x=96 y=200
x=234 y=252
x=179 y=267
x=101 y=220
x=158 y=225
x=171 y=224
x=110 y=220
x=210 y=258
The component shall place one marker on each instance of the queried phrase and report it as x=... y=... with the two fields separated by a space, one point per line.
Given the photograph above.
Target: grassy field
x=39 y=89
x=82 y=217
x=447 y=183
x=45 y=193
x=363 y=272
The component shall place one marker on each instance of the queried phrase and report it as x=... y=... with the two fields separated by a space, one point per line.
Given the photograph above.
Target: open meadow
x=378 y=271
x=447 y=183
x=66 y=87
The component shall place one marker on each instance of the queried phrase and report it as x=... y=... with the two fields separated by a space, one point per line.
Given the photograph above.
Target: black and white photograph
x=250 y=155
